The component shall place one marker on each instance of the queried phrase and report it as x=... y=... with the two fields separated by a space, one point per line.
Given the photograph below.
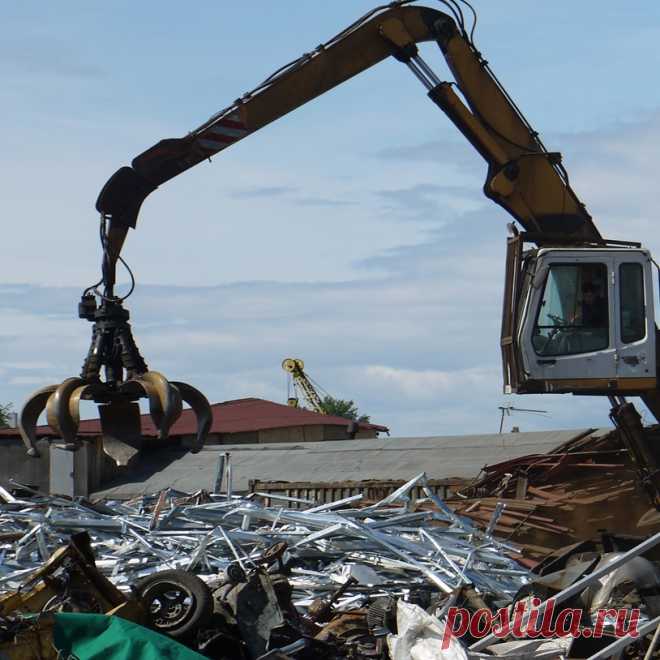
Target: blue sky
x=351 y=233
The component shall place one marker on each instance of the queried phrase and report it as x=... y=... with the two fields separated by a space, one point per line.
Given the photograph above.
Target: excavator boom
x=522 y=176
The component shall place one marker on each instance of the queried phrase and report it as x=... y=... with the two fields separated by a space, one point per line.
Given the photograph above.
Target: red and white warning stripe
x=224 y=132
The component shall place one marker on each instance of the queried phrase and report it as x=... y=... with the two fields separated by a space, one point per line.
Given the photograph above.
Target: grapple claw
x=170 y=401
x=165 y=404
x=127 y=379
x=89 y=391
x=27 y=418
x=202 y=409
x=58 y=410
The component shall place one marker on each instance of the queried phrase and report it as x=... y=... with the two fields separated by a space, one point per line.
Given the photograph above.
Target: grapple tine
x=82 y=392
x=58 y=413
x=170 y=405
x=155 y=405
x=27 y=418
x=202 y=409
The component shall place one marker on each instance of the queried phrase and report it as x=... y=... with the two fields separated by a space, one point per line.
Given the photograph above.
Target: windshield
x=573 y=316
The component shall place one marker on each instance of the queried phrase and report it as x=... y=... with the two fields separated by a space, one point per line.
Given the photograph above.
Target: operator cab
x=579 y=319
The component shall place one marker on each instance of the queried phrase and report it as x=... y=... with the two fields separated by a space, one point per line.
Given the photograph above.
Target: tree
x=342 y=408
x=5 y=411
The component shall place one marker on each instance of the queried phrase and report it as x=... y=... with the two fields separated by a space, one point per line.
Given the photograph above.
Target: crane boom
x=296 y=368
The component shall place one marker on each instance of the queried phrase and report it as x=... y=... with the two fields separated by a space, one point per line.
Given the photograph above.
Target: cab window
x=631 y=285
x=573 y=316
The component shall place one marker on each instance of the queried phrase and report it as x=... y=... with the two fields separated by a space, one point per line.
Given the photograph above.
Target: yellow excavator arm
x=523 y=177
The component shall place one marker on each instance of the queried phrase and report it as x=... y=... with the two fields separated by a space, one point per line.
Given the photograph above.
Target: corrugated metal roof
x=238 y=416
x=382 y=458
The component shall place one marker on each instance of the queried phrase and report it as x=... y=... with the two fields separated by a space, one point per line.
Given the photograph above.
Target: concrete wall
x=307 y=433
x=89 y=468
x=16 y=464
x=84 y=470
x=292 y=434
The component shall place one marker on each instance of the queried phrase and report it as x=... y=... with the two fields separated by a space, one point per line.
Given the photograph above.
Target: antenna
x=507 y=410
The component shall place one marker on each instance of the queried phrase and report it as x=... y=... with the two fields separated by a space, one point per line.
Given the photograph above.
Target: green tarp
x=101 y=637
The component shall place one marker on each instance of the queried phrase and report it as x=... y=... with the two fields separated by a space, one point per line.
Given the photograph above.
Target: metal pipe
x=375 y=536
x=328 y=506
x=653 y=644
x=621 y=643
x=419 y=75
x=228 y=475
x=426 y=69
x=283 y=498
x=231 y=546
x=497 y=514
x=219 y=472
x=399 y=493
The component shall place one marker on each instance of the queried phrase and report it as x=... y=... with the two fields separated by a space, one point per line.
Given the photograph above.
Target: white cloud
x=426 y=384
x=27 y=365
x=32 y=381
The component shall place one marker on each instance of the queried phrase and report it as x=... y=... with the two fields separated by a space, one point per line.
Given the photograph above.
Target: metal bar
x=228 y=478
x=458 y=572
x=397 y=520
x=231 y=547
x=414 y=67
x=653 y=644
x=7 y=496
x=457 y=520
x=497 y=514
x=284 y=498
x=426 y=69
x=621 y=643
x=199 y=551
x=399 y=493
x=160 y=505
x=329 y=506
x=277 y=519
x=375 y=536
x=41 y=543
x=320 y=534
x=162 y=554
x=219 y=472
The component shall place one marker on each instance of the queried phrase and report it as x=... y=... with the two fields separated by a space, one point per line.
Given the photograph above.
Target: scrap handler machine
x=578 y=312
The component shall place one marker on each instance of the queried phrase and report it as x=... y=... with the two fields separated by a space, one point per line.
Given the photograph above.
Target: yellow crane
x=295 y=367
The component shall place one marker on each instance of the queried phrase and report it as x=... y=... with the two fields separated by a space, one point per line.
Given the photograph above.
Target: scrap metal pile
x=232 y=578
x=584 y=486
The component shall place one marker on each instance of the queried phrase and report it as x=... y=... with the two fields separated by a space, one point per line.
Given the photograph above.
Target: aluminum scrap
x=391 y=548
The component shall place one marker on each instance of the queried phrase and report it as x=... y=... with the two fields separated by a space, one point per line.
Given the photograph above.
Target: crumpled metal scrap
x=321 y=562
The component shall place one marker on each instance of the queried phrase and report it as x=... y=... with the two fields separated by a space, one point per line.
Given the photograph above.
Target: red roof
x=239 y=416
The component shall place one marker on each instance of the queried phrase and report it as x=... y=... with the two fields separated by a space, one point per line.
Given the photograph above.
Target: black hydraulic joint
x=87 y=307
x=113 y=345
x=444 y=29
x=406 y=53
